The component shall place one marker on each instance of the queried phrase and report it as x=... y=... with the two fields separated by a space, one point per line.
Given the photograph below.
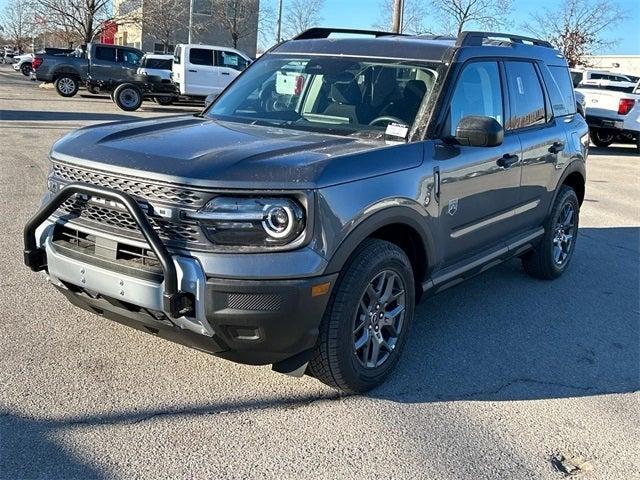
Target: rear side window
x=230 y=60
x=129 y=56
x=106 y=53
x=560 y=88
x=201 y=56
x=157 y=63
x=477 y=92
x=525 y=94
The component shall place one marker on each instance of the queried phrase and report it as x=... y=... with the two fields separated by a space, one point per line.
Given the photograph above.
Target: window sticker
x=397 y=130
x=520 y=85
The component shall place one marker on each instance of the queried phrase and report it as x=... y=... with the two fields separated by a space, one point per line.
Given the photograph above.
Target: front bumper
x=248 y=320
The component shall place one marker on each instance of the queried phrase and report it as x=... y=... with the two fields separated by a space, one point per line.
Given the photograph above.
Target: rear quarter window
x=201 y=56
x=560 y=89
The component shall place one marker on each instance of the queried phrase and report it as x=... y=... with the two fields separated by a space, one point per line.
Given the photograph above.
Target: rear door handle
x=194 y=71
x=225 y=73
x=507 y=160
x=557 y=147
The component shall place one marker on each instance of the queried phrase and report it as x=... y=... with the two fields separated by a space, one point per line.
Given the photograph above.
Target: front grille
x=174 y=232
x=132 y=185
x=178 y=234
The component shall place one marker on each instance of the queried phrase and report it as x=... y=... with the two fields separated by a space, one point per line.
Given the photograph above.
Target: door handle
x=557 y=147
x=225 y=73
x=194 y=71
x=507 y=160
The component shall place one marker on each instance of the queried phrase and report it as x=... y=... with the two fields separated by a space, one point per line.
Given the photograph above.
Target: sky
x=365 y=13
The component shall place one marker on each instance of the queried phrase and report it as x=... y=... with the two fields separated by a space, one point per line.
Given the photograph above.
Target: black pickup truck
x=101 y=68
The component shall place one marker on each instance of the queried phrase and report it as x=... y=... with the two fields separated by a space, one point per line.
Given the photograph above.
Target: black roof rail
x=476 y=39
x=324 y=32
x=429 y=36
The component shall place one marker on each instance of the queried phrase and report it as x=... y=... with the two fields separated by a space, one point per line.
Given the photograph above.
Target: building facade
x=629 y=64
x=143 y=25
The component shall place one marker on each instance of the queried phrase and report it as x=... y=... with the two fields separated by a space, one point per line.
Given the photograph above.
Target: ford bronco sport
x=336 y=182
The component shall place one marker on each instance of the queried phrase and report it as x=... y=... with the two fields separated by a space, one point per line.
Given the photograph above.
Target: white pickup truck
x=613 y=115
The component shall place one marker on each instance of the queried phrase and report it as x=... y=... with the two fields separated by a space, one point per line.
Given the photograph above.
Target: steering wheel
x=386 y=118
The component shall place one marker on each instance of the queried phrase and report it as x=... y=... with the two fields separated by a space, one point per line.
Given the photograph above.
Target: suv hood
x=203 y=152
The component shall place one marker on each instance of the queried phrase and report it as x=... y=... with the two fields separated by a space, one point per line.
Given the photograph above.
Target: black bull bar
x=174 y=302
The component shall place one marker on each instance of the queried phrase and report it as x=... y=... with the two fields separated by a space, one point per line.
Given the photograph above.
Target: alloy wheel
x=66 y=85
x=379 y=319
x=564 y=233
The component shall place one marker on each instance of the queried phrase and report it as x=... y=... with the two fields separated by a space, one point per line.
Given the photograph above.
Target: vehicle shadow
x=619 y=150
x=505 y=336
x=43 y=115
x=501 y=336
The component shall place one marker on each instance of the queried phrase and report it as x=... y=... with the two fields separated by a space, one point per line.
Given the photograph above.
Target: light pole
x=190 y=19
x=398 y=10
x=279 y=29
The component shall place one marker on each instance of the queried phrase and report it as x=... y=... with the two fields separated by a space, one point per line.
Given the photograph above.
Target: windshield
x=335 y=95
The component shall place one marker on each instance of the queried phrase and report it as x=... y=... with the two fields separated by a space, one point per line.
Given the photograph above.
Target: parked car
x=613 y=116
x=22 y=63
x=160 y=66
x=604 y=79
x=300 y=218
x=199 y=70
x=103 y=68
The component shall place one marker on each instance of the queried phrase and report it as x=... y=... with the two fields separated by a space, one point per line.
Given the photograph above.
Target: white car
x=604 y=79
x=22 y=63
x=157 y=65
x=613 y=116
x=199 y=70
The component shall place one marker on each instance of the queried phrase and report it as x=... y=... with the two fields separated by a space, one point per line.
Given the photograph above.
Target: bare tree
x=415 y=11
x=16 y=22
x=456 y=15
x=300 y=15
x=82 y=16
x=576 y=27
x=162 y=18
x=237 y=17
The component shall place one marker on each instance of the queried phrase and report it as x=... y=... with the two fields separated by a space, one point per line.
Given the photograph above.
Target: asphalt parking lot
x=501 y=376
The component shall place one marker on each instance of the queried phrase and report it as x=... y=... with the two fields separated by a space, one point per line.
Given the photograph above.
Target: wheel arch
x=575 y=177
x=400 y=225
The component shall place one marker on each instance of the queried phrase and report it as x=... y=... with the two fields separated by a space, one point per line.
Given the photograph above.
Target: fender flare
x=404 y=215
x=576 y=165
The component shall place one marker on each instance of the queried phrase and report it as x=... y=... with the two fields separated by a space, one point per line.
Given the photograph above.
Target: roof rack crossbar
x=323 y=32
x=476 y=39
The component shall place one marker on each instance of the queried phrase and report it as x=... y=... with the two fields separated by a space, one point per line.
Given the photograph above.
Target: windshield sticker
x=397 y=130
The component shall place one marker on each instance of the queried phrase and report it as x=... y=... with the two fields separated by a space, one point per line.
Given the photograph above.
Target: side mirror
x=476 y=131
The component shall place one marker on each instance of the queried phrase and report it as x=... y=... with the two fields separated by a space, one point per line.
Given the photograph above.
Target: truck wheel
x=25 y=68
x=128 y=97
x=552 y=255
x=66 y=86
x=366 y=322
x=601 y=138
x=164 y=100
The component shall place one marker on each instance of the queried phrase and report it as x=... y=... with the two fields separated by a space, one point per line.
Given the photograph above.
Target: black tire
x=127 y=97
x=66 y=85
x=601 y=138
x=25 y=68
x=543 y=262
x=164 y=100
x=336 y=361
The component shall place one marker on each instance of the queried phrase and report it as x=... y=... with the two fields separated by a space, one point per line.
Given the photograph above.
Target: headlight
x=250 y=221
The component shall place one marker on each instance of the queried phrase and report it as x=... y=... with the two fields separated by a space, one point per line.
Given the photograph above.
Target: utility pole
x=279 y=28
x=398 y=10
x=190 y=19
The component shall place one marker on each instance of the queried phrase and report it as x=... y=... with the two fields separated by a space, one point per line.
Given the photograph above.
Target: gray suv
x=299 y=219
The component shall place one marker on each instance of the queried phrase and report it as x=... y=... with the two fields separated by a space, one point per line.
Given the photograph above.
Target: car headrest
x=414 y=90
x=344 y=88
